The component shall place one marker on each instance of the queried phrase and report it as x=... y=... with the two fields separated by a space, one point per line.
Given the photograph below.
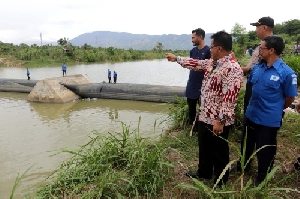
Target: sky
x=23 y=21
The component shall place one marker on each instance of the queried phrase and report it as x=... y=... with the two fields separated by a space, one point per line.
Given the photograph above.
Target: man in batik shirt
x=222 y=81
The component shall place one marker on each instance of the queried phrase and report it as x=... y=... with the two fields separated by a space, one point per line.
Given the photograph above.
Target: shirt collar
x=275 y=65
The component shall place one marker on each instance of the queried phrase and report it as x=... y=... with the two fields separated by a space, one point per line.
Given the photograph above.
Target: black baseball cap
x=267 y=21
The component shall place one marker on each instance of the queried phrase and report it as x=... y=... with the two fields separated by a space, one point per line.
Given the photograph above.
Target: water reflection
x=51 y=111
x=113 y=114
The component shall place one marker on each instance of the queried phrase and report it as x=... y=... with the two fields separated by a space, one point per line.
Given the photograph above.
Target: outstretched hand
x=170 y=57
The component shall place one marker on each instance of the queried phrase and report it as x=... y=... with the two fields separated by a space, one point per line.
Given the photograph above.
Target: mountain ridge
x=126 y=40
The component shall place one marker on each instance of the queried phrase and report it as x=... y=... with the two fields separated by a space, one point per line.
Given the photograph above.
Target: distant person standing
x=250 y=51
x=296 y=48
x=28 y=74
x=109 y=75
x=64 y=69
x=115 y=77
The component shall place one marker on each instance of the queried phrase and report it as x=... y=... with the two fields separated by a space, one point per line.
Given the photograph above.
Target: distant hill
x=125 y=40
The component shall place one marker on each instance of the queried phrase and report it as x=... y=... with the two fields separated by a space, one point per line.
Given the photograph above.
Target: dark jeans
x=109 y=79
x=28 y=77
x=192 y=104
x=115 y=80
x=213 y=152
x=64 y=72
x=259 y=136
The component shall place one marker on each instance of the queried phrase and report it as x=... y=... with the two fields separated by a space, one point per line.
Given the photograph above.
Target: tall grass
x=17 y=181
x=178 y=114
x=121 y=165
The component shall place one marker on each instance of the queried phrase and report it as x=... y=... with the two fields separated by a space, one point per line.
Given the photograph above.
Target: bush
x=293 y=62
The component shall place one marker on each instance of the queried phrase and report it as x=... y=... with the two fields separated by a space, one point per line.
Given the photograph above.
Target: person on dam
x=109 y=75
x=28 y=74
x=115 y=77
x=64 y=69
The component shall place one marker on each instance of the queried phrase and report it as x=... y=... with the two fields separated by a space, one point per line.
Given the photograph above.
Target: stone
x=51 y=90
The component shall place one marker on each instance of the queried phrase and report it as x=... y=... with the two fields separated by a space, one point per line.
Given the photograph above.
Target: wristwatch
x=222 y=118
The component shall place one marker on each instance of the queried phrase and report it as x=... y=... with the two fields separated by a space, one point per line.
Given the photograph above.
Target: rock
x=51 y=90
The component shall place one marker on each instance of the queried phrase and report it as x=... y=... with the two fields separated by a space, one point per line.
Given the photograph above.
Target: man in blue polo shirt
x=193 y=87
x=274 y=87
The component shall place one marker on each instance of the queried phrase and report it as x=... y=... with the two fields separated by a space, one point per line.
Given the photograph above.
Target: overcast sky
x=22 y=21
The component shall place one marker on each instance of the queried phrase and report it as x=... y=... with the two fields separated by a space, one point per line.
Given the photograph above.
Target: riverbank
x=126 y=165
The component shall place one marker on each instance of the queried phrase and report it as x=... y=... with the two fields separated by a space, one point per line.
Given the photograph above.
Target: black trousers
x=257 y=137
x=192 y=104
x=213 y=152
x=109 y=79
x=115 y=80
x=247 y=96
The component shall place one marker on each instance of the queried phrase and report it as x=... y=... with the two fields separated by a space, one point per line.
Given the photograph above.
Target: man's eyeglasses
x=262 y=48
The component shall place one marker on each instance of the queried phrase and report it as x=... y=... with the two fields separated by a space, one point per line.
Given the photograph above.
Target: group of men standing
x=215 y=80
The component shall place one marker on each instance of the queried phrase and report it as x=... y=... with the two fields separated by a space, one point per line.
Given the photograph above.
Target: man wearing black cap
x=264 y=28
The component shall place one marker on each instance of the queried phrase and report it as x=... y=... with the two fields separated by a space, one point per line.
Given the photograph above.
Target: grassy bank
x=125 y=165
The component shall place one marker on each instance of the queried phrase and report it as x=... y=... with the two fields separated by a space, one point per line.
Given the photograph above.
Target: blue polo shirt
x=270 y=87
x=194 y=82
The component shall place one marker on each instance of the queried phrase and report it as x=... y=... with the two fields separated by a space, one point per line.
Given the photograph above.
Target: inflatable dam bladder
x=127 y=91
x=17 y=85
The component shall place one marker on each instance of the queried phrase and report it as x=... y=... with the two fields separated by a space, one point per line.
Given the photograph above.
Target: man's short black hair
x=276 y=42
x=199 y=32
x=222 y=39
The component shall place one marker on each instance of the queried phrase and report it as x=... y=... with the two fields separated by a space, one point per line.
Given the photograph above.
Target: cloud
x=23 y=21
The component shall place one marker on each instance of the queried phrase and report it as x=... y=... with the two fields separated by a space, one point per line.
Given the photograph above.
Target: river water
x=31 y=133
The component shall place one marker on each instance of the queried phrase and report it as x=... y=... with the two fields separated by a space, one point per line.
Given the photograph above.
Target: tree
x=292 y=27
x=238 y=30
x=63 y=41
x=159 y=47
